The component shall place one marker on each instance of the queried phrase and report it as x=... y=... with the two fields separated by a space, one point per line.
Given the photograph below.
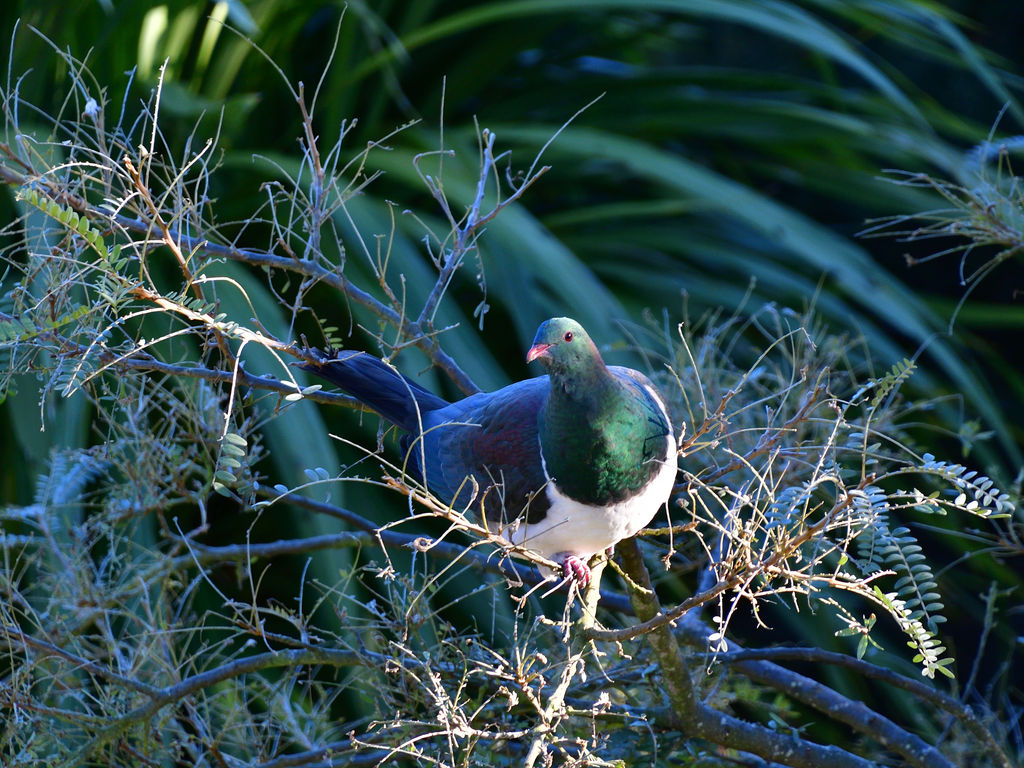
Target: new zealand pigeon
x=565 y=464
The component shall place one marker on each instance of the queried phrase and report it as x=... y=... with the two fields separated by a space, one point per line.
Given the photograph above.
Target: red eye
x=567 y=336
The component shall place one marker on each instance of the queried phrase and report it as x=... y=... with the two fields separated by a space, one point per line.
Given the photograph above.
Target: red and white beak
x=537 y=350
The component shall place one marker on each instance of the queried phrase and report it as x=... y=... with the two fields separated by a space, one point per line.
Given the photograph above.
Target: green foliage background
x=732 y=140
x=735 y=152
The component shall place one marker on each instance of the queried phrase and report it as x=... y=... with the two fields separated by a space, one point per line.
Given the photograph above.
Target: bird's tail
x=398 y=399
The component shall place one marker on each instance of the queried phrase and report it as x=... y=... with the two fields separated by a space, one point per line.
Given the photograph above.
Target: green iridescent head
x=563 y=346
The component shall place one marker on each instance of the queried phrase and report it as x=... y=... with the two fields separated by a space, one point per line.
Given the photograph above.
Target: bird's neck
x=592 y=387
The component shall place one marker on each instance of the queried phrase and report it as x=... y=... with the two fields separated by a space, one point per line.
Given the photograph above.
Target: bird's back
x=492 y=438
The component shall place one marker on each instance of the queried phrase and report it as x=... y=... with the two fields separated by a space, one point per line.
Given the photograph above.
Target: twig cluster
x=128 y=638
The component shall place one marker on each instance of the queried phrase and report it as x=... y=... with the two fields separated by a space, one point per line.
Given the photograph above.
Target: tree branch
x=414 y=331
x=746 y=659
x=480 y=561
x=661 y=617
x=696 y=718
x=173 y=693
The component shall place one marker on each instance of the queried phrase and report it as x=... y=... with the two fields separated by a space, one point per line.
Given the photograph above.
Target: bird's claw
x=575 y=569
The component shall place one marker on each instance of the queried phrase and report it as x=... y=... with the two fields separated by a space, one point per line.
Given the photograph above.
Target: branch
x=855 y=714
x=143 y=361
x=768 y=440
x=746 y=660
x=744 y=576
x=173 y=693
x=480 y=561
x=696 y=718
x=27 y=642
x=412 y=330
x=466 y=233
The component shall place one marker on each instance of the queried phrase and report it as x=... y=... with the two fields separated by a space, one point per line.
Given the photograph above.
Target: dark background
x=732 y=142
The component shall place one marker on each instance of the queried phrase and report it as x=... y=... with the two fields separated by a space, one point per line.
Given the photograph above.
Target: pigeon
x=564 y=465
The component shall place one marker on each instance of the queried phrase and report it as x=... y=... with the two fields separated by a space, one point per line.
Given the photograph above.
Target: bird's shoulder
x=646 y=395
x=636 y=381
x=502 y=407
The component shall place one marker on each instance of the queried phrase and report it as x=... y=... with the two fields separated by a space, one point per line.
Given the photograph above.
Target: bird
x=565 y=464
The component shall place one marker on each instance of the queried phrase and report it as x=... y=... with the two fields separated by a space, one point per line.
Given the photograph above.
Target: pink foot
x=576 y=569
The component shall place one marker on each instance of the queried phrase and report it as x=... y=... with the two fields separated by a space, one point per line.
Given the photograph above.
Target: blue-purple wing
x=493 y=439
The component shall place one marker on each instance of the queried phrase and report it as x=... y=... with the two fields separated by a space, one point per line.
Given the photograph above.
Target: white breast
x=573 y=528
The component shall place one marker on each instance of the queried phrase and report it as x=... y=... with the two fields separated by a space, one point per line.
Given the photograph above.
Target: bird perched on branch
x=565 y=465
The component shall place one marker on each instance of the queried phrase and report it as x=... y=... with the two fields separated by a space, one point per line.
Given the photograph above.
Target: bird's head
x=563 y=346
